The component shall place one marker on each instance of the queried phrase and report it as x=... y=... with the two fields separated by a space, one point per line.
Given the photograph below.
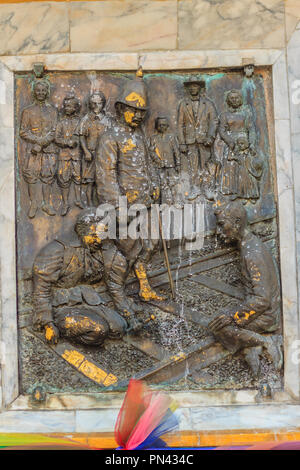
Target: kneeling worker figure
x=63 y=271
x=244 y=326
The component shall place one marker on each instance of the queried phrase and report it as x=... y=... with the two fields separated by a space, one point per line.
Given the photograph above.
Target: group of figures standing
x=210 y=153
x=60 y=148
x=117 y=158
x=220 y=150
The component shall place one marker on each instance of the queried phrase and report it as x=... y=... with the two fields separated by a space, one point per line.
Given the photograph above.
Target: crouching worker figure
x=244 y=326
x=65 y=304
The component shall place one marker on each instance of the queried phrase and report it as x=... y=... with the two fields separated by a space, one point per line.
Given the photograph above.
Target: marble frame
x=63 y=412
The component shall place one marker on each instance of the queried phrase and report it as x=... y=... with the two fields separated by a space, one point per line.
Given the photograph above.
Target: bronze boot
x=146 y=292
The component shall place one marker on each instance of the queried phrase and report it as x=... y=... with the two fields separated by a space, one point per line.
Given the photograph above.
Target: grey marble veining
x=293 y=54
x=26 y=29
x=96 y=420
x=230 y=24
x=37 y=421
x=123 y=26
x=268 y=417
x=8 y=323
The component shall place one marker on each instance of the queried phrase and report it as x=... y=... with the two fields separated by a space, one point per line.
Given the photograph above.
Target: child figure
x=92 y=126
x=69 y=158
x=166 y=157
x=249 y=170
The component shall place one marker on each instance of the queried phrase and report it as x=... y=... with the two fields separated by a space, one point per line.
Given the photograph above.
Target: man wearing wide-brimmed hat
x=197 y=127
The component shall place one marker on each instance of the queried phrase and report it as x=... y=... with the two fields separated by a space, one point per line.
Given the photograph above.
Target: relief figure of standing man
x=123 y=169
x=197 y=127
x=38 y=124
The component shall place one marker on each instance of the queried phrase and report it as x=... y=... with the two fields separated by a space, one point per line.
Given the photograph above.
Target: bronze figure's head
x=97 y=102
x=41 y=90
x=71 y=105
x=133 y=117
x=131 y=105
x=194 y=86
x=231 y=221
x=90 y=229
x=161 y=124
x=234 y=99
x=242 y=143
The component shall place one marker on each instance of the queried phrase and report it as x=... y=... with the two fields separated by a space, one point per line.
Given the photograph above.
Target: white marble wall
x=144 y=25
x=202 y=418
x=8 y=326
x=287 y=225
x=196 y=410
x=293 y=55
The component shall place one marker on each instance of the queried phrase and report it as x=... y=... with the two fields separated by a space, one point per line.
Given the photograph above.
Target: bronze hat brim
x=201 y=83
x=142 y=108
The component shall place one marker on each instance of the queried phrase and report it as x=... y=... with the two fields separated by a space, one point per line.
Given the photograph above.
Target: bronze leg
x=47 y=207
x=33 y=196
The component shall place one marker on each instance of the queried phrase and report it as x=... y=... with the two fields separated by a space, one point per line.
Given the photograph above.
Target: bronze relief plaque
x=95 y=307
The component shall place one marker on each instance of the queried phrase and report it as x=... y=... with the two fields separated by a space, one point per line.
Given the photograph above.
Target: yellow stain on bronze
x=90 y=239
x=139 y=72
x=87 y=368
x=218 y=203
x=93 y=372
x=49 y=333
x=236 y=316
x=84 y=322
x=131 y=196
x=134 y=97
x=110 y=380
x=146 y=293
x=156 y=193
x=128 y=117
x=246 y=316
x=129 y=144
x=73 y=357
x=158 y=153
x=178 y=357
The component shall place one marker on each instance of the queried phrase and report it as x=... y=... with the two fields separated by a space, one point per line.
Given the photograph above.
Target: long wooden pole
x=166 y=256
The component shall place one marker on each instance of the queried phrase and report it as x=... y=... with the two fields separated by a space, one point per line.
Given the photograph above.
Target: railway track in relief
x=167 y=367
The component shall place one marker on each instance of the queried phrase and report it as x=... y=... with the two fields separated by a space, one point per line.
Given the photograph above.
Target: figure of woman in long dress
x=234 y=123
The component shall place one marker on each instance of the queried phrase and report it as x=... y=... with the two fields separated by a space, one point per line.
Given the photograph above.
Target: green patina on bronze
x=168 y=137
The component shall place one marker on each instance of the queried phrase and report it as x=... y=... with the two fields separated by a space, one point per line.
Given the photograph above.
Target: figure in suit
x=197 y=127
x=38 y=124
